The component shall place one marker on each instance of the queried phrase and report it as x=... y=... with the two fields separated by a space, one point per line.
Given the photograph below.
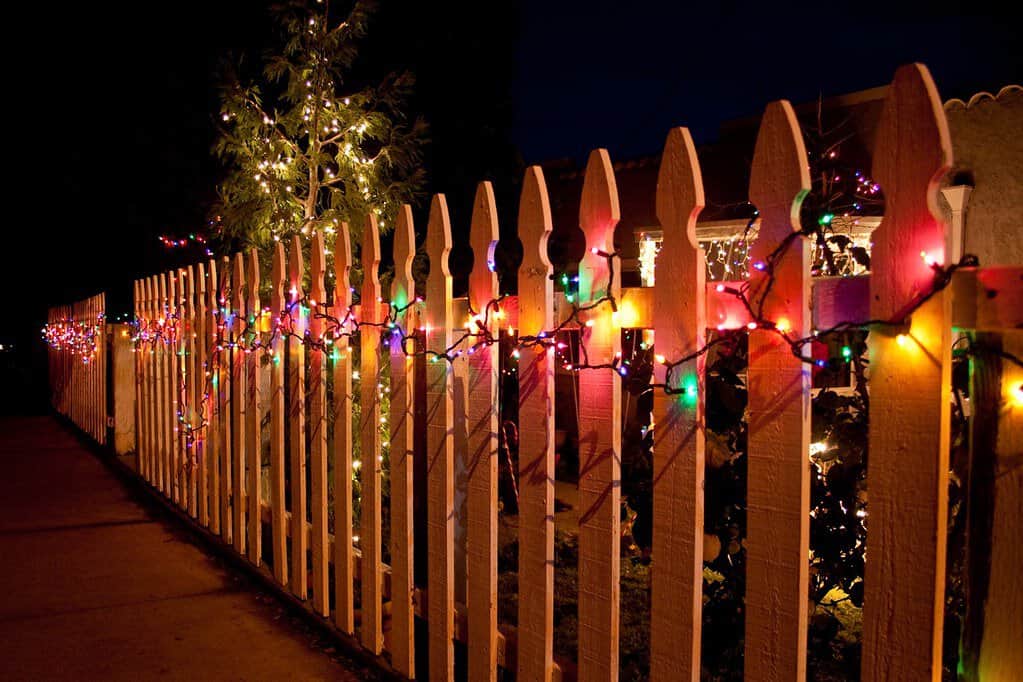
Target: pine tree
x=305 y=153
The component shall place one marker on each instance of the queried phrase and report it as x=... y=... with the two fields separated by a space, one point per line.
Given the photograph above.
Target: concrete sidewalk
x=95 y=587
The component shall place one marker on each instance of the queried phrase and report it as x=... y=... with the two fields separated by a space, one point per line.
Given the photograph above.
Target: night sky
x=115 y=104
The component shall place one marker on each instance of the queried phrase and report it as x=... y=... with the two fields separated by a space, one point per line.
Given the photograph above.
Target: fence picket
x=253 y=415
x=344 y=555
x=202 y=376
x=97 y=372
x=175 y=386
x=909 y=392
x=600 y=432
x=778 y=497
x=156 y=385
x=278 y=520
x=536 y=437
x=181 y=387
x=403 y=295
x=371 y=632
x=226 y=402
x=296 y=422
x=88 y=372
x=316 y=390
x=440 y=445
x=140 y=444
x=192 y=384
x=680 y=324
x=213 y=430
x=239 y=403
x=166 y=404
x=151 y=385
x=483 y=411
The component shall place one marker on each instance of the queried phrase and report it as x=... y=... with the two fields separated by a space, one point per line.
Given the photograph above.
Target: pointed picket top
x=211 y=271
x=190 y=287
x=370 y=270
x=912 y=151
x=780 y=176
x=277 y=279
x=342 y=270
x=403 y=288
x=438 y=240
x=599 y=213
x=252 y=291
x=679 y=192
x=200 y=281
x=225 y=281
x=535 y=225
x=238 y=282
x=680 y=199
x=779 y=181
x=483 y=236
x=317 y=268
x=296 y=265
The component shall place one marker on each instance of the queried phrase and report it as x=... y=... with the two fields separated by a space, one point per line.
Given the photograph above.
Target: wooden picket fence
x=204 y=376
x=77 y=362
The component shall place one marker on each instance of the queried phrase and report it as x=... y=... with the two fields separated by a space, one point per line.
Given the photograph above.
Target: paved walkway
x=95 y=587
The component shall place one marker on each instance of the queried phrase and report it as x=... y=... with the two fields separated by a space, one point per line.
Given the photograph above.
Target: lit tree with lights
x=304 y=152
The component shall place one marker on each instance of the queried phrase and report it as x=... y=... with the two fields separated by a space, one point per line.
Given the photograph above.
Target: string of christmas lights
x=76 y=337
x=483 y=329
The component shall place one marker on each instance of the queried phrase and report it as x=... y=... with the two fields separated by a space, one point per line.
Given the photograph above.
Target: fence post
x=910 y=377
x=483 y=411
x=600 y=431
x=440 y=445
x=369 y=432
x=403 y=295
x=296 y=421
x=279 y=524
x=344 y=590
x=778 y=495
x=239 y=401
x=679 y=329
x=253 y=414
x=998 y=653
x=316 y=391
x=536 y=437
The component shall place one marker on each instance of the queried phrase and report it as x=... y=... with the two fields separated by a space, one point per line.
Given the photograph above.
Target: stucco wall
x=987 y=141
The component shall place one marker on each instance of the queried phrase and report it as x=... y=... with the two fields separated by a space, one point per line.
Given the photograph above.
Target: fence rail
x=244 y=410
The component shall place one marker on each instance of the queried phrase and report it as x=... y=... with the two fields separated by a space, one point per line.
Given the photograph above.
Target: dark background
x=112 y=108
